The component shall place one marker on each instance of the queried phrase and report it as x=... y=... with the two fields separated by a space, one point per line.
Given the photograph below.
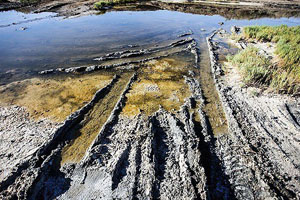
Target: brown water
x=213 y=106
x=55 y=97
x=160 y=83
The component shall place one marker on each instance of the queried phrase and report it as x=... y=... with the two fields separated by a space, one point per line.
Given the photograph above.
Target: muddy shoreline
x=230 y=10
x=153 y=127
x=139 y=156
x=249 y=115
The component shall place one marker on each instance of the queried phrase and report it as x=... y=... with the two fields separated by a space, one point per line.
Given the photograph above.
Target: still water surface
x=49 y=41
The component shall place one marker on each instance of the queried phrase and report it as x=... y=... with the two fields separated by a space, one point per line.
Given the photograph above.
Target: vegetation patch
x=54 y=99
x=161 y=83
x=100 y=5
x=283 y=76
x=254 y=67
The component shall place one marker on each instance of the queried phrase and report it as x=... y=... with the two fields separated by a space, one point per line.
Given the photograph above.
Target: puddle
x=213 y=107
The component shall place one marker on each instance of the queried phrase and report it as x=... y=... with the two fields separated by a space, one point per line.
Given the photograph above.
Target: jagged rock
x=50 y=71
x=91 y=68
x=181 y=42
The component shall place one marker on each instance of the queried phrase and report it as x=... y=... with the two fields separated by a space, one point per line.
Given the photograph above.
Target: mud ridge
x=43 y=154
x=217 y=181
x=134 y=53
x=190 y=32
x=117 y=109
x=27 y=21
x=259 y=150
x=156 y=156
x=160 y=152
x=122 y=54
x=44 y=184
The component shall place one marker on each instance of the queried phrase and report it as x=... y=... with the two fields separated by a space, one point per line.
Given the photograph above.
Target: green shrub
x=285 y=76
x=101 y=4
x=254 y=67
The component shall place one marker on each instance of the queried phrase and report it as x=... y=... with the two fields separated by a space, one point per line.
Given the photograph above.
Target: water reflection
x=53 y=42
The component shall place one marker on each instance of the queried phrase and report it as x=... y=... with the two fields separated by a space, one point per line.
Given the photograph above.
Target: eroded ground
x=32 y=110
x=264 y=126
x=170 y=121
x=135 y=115
x=85 y=133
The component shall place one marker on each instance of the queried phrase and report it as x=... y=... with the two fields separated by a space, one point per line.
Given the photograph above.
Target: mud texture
x=174 y=149
x=54 y=98
x=227 y=9
x=20 y=137
x=261 y=153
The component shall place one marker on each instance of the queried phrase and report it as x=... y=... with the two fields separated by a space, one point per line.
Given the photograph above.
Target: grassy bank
x=284 y=75
x=109 y=3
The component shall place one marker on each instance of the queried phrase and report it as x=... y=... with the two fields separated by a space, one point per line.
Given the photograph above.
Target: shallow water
x=51 y=42
x=8 y=18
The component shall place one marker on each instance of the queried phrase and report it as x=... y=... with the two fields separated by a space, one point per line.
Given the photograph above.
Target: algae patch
x=84 y=133
x=53 y=98
x=213 y=105
x=161 y=83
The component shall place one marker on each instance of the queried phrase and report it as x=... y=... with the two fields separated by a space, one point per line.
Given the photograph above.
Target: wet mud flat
x=161 y=121
x=262 y=145
x=230 y=9
x=166 y=123
x=143 y=134
x=32 y=110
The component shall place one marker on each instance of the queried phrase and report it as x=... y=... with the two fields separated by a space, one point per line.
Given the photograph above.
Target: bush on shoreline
x=254 y=67
x=284 y=76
